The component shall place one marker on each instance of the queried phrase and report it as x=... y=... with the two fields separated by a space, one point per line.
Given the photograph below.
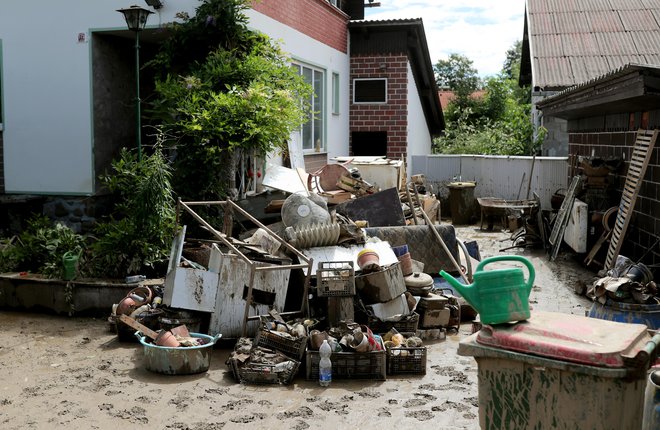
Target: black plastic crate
x=291 y=347
x=406 y=361
x=407 y=326
x=265 y=374
x=350 y=365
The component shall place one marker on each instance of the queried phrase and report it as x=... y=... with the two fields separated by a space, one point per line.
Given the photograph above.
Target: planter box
x=36 y=293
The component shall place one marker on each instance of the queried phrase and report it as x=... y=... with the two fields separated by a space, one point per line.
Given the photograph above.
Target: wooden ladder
x=636 y=171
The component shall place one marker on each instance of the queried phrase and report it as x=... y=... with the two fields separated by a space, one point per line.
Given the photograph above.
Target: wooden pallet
x=638 y=163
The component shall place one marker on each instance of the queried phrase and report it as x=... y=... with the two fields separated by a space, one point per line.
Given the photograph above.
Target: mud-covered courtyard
x=60 y=372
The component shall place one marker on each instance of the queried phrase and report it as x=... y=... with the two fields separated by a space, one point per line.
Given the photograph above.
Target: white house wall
x=307 y=50
x=47 y=96
x=47 y=100
x=419 y=137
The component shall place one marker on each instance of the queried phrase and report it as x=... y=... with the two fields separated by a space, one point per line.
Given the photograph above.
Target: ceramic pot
x=181 y=331
x=360 y=342
x=141 y=295
x=126 y=306
x=316 y=339
x=406 y=264
x=167 y=339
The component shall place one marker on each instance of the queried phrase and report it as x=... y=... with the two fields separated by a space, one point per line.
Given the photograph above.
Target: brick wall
x=614 y=136
x=391 y=117
x=317 y=19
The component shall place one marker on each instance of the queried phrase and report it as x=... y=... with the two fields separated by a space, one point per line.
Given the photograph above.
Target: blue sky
x=482 y=30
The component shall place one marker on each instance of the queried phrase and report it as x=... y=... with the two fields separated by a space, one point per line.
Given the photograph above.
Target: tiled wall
x=316 y=18
x=391 y=117
x=614 y=136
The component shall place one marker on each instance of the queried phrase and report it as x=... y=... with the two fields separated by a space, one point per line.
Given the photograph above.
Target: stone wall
x=78 y=213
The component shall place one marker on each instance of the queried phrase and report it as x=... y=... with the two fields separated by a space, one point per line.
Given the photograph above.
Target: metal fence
x=504 y=177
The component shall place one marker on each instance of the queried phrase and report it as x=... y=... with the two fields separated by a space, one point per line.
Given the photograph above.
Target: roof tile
x=572 y=41
x=626 y=4
x=543 y=23
x=617 y=61
x=550 y=46
x=602 y=21
x=570 y=22
x=615 y=43
x=590 y=5
x=554 y=70
x=580 y=44
x=651 y=4
x=647 y=42
x=652 y=59
x=564 y=5
x=638 y=20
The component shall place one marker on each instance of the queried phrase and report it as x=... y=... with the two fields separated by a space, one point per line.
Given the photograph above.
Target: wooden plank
x=137 y=326
x=642 y=150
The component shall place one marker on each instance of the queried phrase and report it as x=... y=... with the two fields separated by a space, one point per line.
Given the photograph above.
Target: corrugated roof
x=572 y=41
x=612 y=74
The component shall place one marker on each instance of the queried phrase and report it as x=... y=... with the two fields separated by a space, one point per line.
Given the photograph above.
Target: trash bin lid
x=466 y=184
x=570 y=338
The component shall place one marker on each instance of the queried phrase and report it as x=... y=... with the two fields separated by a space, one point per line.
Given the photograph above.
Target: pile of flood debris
x=626 y=282
x=347 y=262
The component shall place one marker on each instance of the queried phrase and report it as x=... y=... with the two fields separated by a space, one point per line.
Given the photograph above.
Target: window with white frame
x=313 y=130
x=335 y=93
x=370 y=90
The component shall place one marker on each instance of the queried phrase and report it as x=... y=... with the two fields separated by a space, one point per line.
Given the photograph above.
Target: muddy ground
x=60 y=372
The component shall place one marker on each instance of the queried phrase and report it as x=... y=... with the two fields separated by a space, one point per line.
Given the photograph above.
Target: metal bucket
x=180 y=360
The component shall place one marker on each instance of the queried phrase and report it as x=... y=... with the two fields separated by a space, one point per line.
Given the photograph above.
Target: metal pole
x=137 y=96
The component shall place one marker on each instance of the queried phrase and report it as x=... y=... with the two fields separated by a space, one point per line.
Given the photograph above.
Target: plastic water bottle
x=325 y=366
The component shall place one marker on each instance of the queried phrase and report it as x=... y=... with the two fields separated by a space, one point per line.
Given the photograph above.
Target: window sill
x=306 y=153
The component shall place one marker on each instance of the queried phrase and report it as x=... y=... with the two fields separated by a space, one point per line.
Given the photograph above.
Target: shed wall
x=614 y=135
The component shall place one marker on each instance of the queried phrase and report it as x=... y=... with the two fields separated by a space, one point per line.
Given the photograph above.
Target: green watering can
x=69 y=262
x=499 y=295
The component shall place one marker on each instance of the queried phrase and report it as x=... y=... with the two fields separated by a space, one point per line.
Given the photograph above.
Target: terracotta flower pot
x=142 y=295
x=406 y=264
x=126 y=306
x=167 y=339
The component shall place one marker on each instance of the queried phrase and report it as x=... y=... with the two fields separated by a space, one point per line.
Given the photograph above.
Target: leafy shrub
x=8 y=255
x=222 y=89
x=139 y=232
x=42 y=245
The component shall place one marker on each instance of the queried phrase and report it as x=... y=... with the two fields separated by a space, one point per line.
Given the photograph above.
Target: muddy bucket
x=180 y=360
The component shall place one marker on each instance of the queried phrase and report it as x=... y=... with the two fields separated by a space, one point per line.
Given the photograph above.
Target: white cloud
x=482 y=30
